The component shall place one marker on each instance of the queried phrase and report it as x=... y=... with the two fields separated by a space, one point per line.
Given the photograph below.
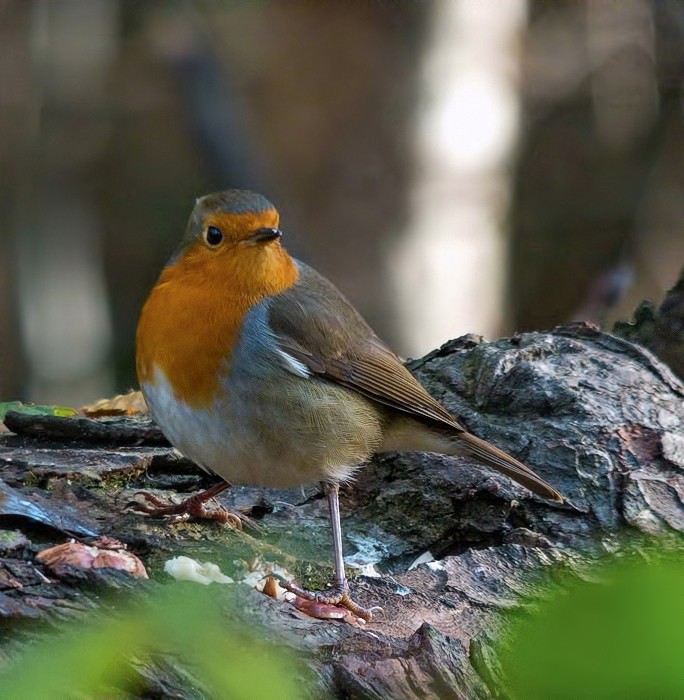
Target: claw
x=322 y=604
x=195 y=506
x=323 y=611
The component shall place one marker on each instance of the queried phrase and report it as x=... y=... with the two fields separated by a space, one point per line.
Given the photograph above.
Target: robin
x=257 y=368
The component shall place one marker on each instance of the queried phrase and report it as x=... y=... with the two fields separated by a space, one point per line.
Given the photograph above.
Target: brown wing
x=316 y=325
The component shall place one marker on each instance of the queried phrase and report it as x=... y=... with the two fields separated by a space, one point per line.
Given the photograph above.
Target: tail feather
x=504 y=463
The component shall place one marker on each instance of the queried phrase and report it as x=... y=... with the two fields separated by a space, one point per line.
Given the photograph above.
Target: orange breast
x=183 y=338
x=191 y=321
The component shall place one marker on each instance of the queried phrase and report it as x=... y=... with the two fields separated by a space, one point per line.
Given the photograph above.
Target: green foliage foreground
x=620 y=635
x=98 y=658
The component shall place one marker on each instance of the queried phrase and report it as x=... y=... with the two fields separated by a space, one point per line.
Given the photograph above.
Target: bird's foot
x=195 y=506
x=329 y=603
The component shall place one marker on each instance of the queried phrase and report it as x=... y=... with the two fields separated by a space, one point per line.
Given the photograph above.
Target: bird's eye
x=213 y=236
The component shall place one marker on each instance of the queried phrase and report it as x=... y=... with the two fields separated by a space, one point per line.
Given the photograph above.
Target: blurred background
x=454 y=166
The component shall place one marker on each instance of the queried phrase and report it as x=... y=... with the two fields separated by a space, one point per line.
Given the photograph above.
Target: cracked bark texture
x=597 y=416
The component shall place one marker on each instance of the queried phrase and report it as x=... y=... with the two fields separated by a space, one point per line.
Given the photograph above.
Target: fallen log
x=444 y=546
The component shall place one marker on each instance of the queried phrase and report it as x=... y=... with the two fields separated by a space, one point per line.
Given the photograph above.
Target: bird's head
x=233 y=241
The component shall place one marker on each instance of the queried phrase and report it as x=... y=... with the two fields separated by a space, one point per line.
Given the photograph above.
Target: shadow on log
x=454 y=544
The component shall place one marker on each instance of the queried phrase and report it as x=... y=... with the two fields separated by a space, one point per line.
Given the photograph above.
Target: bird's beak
x=264 y=235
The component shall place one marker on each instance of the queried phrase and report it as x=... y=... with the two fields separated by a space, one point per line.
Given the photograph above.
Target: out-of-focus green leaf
x=89 y=660
x=622 y=637
x=34 y=410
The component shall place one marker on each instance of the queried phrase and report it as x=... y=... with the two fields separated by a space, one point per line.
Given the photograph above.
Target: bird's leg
x=195 y=506
x=338 y=594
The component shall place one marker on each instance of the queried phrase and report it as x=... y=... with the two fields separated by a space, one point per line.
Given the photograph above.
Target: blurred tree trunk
x=600 y=188
x=448 y=269
x=16 y=125
x=56 y=255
